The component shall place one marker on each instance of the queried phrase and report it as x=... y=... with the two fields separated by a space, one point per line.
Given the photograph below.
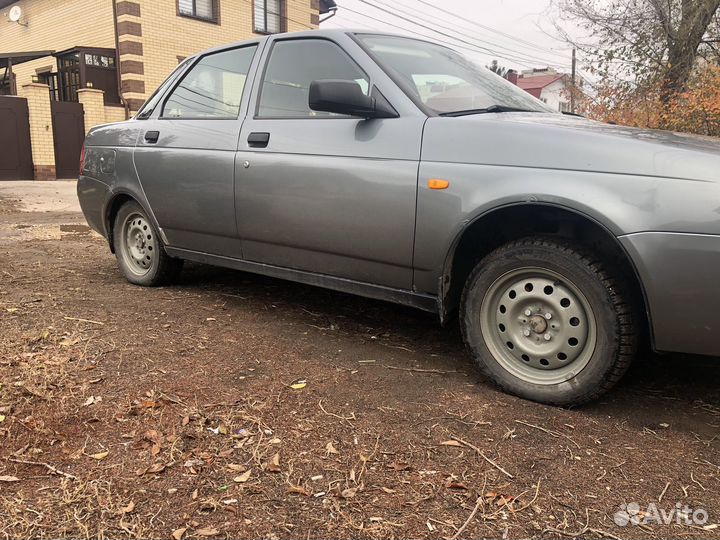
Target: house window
x=268 y=16
x=201 y=9
x=563 y=107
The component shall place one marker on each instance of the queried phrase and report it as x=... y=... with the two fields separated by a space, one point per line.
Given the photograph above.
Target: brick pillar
x=41 y=131
x=93 y=102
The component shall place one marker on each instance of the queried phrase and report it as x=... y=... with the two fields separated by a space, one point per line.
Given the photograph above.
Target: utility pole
x=573 y=84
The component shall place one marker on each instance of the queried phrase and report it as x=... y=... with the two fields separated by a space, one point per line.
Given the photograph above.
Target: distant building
x=548 y=85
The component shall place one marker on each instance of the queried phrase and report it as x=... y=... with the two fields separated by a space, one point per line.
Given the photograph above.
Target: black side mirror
x=346 y=97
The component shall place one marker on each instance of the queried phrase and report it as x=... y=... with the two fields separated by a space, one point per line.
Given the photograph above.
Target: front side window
x=213 y=88
x=444 y=80
x=293 y=65
x=267 y=16
x=202 y=9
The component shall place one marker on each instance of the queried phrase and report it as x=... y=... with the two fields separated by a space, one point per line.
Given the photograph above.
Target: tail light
x=82 y=159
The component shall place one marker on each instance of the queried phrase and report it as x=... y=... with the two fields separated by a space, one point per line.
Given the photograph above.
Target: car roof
x=332 y=33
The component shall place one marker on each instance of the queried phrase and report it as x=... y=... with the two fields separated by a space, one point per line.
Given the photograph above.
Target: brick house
x=110 y=55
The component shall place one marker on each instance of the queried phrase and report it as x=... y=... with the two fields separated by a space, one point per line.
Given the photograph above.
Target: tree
x=496 y=68
x=650 y=42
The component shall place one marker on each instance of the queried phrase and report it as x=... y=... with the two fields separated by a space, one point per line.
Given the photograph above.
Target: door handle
x=258 y=139
x=152 y=136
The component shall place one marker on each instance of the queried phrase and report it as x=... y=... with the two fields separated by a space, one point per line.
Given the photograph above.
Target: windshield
x=446 y=81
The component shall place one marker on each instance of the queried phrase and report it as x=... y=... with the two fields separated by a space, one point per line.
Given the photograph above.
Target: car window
x=149 y=106
x=444 y=80
x=293 y=65
x=213 y=88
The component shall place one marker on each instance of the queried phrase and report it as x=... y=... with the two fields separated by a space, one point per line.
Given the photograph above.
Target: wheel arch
x=114 y=203
x=499 y=225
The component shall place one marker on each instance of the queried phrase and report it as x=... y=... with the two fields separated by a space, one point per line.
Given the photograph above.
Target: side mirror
x=346 y=97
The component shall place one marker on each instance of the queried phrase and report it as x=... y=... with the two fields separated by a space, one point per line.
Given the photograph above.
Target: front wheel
x=547 y=323
x=140 y=250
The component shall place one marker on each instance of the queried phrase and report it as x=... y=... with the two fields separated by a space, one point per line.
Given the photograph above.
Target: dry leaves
x=100 y=455
x=179 y=533
x=298 y=490
x=274 y=464
x=243 y=477
x=208 y=531
x=450 y=443
x=330 y=449
x=9 y=479
x=399 y=466
x=298 y=384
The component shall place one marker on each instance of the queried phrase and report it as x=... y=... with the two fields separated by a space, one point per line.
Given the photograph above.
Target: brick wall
x=55 y=25
x=41 y=131
x=154 y=37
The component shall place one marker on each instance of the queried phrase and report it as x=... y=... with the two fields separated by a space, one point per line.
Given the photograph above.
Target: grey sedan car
x=397 y=169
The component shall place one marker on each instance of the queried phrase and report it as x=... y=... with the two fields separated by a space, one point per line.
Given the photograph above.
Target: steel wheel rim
x=538 y=325
x=138 y=244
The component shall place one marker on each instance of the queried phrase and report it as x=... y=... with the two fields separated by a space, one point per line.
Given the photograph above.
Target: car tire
x=139 y=248
x=547 y=322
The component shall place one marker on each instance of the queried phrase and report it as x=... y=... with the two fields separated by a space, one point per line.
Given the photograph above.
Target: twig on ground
x=418 y=370
x=470 y=518
x=46 y=465
x=84 y=320
x=343 y=418
x=664 y=491
x=550 y=432
x=490 y=461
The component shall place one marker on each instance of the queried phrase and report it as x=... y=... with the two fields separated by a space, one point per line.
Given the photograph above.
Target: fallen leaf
x=150 y=404
x=451 y=442
x=399 y=466
x=243 y=477
x=237 y=468
x=92 y=400
x=348 y=493
x=100 y=455
x=185 y=422
x=298 y=490
x=12 y=310
x=129 y=508
x=388 y=490
x=9 y=479
x=179 y=533
x=298 y=384
x=274 y=464
x=454 y=484
x=2 y=418
x=155 y=468
x=330 y=449
x=208 y=531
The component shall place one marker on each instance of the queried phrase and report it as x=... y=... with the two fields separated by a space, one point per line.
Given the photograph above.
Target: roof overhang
x=6 y=3
x=21 y=57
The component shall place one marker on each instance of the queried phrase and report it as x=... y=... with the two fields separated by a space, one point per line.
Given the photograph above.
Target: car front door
x=185 y=157
x=324 y=193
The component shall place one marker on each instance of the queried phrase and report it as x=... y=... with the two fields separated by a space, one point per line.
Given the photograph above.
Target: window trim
x=189 y=70
x=261 y=81
x=215 y=19
x=282 y=15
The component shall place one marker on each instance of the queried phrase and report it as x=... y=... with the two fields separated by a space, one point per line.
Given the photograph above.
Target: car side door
x=185 y=156
x=320 y=192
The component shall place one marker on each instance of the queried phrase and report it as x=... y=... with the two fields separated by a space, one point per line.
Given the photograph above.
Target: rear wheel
x=547 y=323
x=139 y=249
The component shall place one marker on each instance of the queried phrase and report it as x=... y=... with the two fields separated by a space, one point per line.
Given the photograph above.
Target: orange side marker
x=436 y=183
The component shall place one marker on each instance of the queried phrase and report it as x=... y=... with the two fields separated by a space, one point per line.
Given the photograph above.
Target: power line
x=505 y=56
x=472 y=47
x=482 y=41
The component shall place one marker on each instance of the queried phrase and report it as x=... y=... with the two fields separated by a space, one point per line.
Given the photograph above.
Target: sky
x=520 y=34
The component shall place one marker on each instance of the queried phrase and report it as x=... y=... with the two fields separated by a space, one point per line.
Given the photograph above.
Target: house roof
x=20 y=57
x=6 y=3
x=538 y=82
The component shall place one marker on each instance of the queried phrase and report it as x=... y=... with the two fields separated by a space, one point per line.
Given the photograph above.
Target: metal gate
x=69 y=133
x=15 y=150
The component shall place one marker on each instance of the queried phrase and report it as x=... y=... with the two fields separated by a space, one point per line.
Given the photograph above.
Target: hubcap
x=538 y=325
x=138 y=244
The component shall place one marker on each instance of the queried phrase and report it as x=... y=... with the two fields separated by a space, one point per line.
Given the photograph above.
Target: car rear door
x=324 y=193
x=185 y=156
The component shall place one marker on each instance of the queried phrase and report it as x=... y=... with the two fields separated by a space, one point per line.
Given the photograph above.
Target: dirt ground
x=238 y=406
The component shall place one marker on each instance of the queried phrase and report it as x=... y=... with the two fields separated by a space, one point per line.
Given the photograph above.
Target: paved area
x=232 y=405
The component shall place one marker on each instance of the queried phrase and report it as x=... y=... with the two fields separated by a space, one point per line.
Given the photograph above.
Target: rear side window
x=293 y=65
x=213 y=88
